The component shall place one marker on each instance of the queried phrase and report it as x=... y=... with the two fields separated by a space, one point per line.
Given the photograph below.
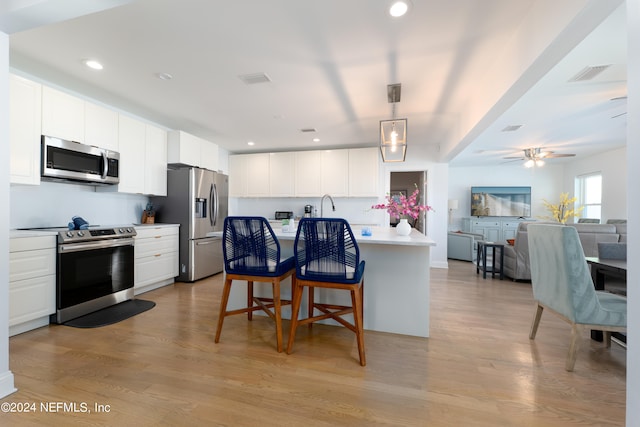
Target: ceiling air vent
x=252 y=79
x=588 y=73
x=307 y=130
x=511 y=128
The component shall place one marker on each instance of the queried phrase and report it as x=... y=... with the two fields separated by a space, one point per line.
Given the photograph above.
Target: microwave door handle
x=105 y=165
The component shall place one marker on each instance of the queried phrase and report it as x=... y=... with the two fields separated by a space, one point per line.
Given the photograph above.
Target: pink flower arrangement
x=403 y=206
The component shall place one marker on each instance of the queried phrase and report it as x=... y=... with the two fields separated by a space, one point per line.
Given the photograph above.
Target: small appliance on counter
x=280 y=215
x=308 y=211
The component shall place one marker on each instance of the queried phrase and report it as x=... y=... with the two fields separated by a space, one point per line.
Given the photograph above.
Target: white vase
x=403 y=228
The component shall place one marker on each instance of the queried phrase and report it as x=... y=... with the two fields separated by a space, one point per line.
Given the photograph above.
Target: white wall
x=613 y=167
x=52 y=204
x=546 y=184
x=6 y=377
x=633 y=198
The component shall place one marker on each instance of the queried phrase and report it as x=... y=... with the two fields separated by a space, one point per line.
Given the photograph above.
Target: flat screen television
x=501 y=201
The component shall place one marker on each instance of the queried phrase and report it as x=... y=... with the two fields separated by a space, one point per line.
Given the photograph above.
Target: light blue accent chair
x=562 y=283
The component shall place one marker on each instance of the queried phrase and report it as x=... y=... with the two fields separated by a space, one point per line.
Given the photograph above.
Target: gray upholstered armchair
x=462 y=245
x=562 y=283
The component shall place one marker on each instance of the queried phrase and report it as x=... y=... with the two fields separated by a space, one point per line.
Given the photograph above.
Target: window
x=589 y=193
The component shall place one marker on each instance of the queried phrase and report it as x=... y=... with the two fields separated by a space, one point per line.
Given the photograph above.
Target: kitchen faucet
x=333 y=207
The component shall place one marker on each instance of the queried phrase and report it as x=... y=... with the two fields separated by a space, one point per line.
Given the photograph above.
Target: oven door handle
x=84 y=246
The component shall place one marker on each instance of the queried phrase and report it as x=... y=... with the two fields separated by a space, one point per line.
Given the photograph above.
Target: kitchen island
x=396 y=281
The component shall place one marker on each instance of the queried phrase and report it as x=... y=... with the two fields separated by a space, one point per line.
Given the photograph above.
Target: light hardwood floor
x=478 y=368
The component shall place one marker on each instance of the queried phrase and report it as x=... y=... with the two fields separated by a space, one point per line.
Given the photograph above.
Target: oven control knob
x=129 y=230
x=80 y=233
x=69 y=233
x=121 y=230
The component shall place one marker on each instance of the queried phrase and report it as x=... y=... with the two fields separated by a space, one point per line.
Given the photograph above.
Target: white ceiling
x=468 y=68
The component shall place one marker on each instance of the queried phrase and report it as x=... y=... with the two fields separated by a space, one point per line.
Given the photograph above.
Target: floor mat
x=112 y=314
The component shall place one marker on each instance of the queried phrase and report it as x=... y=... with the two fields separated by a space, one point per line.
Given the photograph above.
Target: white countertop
x=13 y=234
x=379 y=236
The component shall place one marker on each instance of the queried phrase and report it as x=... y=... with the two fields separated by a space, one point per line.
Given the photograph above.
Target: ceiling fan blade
x=552 y=155
x=514 y=158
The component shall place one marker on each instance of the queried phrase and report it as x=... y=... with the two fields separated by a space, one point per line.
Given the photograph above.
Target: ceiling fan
x=536 y=156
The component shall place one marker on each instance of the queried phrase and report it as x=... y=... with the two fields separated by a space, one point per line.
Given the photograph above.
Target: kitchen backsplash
x=52 y=204
x=356 y=210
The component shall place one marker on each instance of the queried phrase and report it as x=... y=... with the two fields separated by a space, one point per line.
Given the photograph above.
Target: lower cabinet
x=32 y=282
x=494 y=229
x=156 y=257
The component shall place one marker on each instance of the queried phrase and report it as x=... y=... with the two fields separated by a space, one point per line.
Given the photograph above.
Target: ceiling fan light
x=539 y=162
x=399 y=8
x=529 y=163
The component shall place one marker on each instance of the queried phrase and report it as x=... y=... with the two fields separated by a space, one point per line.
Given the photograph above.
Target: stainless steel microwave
x=69 y=160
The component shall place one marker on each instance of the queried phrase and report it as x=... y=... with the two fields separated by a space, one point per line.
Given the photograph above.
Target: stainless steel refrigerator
x=197 y=199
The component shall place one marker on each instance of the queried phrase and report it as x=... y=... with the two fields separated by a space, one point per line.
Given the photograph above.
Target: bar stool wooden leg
x=250 y=299
x=356 y=301
x=310 y=308
x=295 y=308
x=278 y=315
x=223 y=307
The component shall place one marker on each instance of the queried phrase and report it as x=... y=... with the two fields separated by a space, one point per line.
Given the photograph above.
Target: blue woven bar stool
x=327 y=256
x=252 y=253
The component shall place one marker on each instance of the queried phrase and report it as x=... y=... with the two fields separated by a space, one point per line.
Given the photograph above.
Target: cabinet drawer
x=19 y=244
x=31 y=299
x=155 y=246
x=154 y=269
x=506 y=225
x=30 y=264
x=153 y=232
x=486 y=223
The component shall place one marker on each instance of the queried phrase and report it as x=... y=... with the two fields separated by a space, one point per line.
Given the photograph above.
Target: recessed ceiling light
x=316 y=139
x=93 y=64
x=251 y=143
x=164 y=76
x=399 y=8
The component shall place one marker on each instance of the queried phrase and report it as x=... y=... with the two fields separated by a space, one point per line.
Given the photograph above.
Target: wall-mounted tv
x=501 y=201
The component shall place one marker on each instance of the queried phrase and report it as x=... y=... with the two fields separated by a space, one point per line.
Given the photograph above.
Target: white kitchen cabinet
x=209 y=155
x=238 y=175
x=363 y=172
x=32 y=282
x=334 y=175
x=143 y=158
x=101 y=126
x=155 y=162
x=131 y=141
x=308 y=167
x=187 y=149
x=25 y=124
x=249 y=175
x=156 y=256
x=257 y=175
x=62 y=115
x=281 y=174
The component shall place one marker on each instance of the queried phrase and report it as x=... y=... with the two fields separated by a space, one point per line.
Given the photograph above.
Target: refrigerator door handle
x=215 y=207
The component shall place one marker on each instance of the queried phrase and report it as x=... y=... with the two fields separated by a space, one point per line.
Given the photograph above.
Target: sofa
x=516 y=257
x=461 y=245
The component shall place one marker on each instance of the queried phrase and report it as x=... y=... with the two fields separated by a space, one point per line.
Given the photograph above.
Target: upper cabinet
x=341 y=173
x=62 y=115
x=363 y=172
x=186 y=149
x=101 y=127
x=143 y=157
x=25 y=122
x=249 y=175
x=334 y=174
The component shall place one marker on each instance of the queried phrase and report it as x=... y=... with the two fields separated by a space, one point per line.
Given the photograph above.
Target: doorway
x=405 y=183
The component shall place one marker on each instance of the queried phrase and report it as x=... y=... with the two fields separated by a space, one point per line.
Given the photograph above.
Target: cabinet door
x=101 y=127
x=308 y=166
x=131 y=137
x=363 y=172
x=62 y=115
x=209 y=155
x=183 y=148
x=335 y=173
x=155 y=162
x=238 y=175
x=257 y=175
x=281 y=174
x=25 y=108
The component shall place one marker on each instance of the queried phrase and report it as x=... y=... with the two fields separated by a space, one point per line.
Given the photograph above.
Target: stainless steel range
x=94 y=270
